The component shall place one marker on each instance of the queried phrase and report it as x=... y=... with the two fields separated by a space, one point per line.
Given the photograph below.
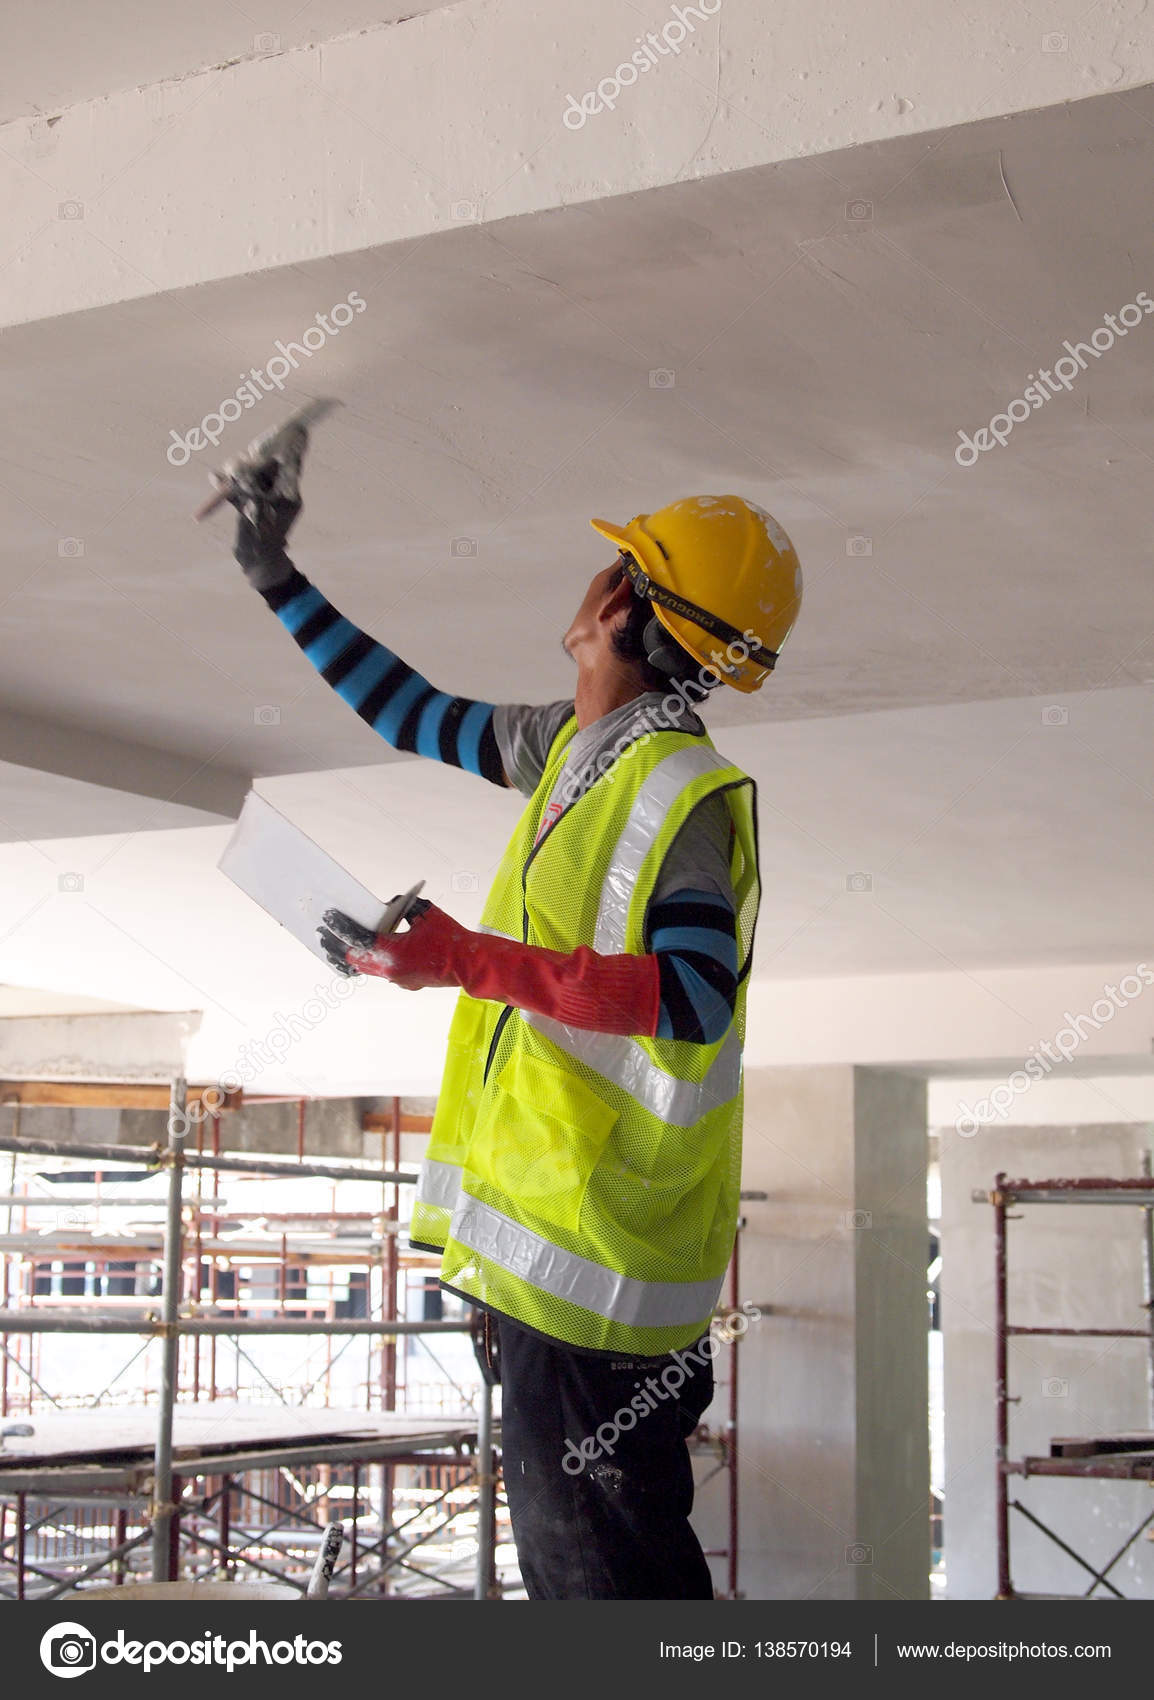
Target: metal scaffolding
x=459 y=1463
x=721 y=1444
x=1114 y=1458
x=205 y=1513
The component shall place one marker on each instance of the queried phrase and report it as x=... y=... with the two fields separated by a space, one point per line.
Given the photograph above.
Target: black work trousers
x=600 y=1504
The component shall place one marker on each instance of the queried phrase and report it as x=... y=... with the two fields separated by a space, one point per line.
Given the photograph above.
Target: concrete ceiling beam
x=474 y=113
x=60 y=782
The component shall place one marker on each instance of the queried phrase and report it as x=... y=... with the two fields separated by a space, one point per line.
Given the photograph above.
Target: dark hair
x=642 y=633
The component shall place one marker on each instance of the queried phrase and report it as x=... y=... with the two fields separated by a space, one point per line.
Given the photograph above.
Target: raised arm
x=389 y=695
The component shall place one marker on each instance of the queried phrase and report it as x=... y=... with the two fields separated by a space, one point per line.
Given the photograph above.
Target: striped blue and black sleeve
x=693 y=934
x=394 y=699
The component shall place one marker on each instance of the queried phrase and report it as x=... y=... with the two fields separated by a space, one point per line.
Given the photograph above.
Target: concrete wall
x=1070 y=1265
x=146 y=1046
x=833 y=1434
x=332 y=1128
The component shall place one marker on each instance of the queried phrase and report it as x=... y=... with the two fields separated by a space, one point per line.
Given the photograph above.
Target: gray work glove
x=267 y=498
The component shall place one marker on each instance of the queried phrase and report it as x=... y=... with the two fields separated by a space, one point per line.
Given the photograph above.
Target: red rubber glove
x=603 y=994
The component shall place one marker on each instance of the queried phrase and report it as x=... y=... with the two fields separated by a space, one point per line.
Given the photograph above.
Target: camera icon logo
x=68 y=1649
x=266 y=715
x=464 y=881
x=661 y=378
x=859 y=210
x=70 y=882
x=859 y=882
x=70 y=209
x=856 y=1220
x=859 y=1553
x=1055 y=41
x=1055 y=716
x=463 y=546
x=859 y=544
x=70 y=548
x=1055 y=1388
x=266 y=43
x=465 y=212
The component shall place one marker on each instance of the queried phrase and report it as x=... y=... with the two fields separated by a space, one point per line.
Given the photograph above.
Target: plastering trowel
x=261 y=451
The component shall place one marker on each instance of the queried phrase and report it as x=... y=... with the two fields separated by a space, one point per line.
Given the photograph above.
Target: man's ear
x=615 y=604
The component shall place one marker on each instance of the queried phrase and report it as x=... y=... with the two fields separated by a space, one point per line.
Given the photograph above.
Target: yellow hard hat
x=723 y=578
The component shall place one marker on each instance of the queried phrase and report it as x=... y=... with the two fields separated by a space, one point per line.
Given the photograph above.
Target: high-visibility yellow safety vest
x=584 y=1184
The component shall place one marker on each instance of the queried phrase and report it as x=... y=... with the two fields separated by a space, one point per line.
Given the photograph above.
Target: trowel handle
x=215 y=501
x=322 y=1571
x=266 y=448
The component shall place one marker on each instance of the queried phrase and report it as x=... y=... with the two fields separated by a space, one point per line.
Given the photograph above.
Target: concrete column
x=1073 y=1266
x=833 y=1431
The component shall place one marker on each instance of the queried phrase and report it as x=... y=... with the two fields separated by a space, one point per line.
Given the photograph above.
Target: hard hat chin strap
x=711 y=623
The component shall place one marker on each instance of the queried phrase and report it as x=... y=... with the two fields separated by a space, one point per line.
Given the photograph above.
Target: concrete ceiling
x=57 y=54
x=498 y=390
x=906 y=841
x=26 y=1001
x=913 y=841
x=963 y=715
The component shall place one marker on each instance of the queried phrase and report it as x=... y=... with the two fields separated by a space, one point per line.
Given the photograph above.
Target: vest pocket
x=469 y=1036
x=541 y=1138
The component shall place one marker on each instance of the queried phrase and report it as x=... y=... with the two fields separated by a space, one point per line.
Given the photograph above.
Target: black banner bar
x=561 y=1648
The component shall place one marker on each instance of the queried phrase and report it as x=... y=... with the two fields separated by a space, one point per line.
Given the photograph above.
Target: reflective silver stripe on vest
x=680 y=1103
x=618 y=1298
x=440 y=1184
x=646 y=817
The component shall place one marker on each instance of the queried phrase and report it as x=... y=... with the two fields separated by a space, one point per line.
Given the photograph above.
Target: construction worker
x=582 y=1176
